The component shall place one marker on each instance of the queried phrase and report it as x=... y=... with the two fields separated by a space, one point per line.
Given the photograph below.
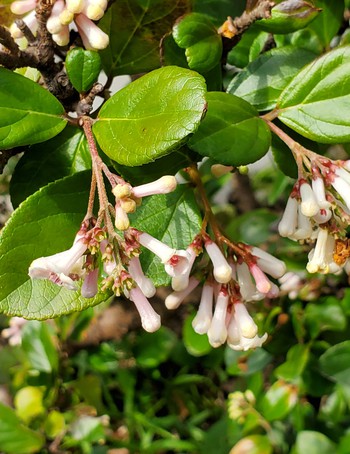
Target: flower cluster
x=318 y=209
x=64 y=14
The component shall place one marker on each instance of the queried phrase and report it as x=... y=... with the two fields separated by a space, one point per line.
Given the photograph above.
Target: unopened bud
x=128 y=205
x=121 y=190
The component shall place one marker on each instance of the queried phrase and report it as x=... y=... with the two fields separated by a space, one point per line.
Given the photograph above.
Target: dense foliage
x=221 y=170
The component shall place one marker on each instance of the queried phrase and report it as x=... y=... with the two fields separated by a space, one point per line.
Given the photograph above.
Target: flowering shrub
x=117 y=193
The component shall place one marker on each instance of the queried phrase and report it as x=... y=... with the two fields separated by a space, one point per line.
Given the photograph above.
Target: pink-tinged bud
x=92 y=36
x=146 y=285
x=53 y=23
x=218 y=170
x=14 y=332
x=322 y=216
x=343 y=189
x=245 y=322
x=268 y=263
x=23 y=7
x=203 y=318
x=62 y=38
x=309 y=205
x=261 y=281
x=90 y=288
x=217 y=333
x=163 y=185
x=150 y=320
x=174 y=300
x=288 y=223
x=221 y=269
x=158 y=248
x=75 y=6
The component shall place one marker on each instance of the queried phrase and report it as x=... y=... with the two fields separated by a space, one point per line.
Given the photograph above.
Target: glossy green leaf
x=248 y=48
x=264 y=79
x=171 y=53
x=83 y=68
x=196 y=344
x=278 y=401
x=135 y=28
x=289 y=16
x=308 y=105
x=253 y=444
x=232 y=132
x=335 y=363
x=325 y=316
x=24 y=119
x=172 y=218
x=313 y=442
x=152 y=116
x=197 y=34
x=64 y=155
x=37 y=342
x=44 y=224
x=15 y=437
x=328 y=22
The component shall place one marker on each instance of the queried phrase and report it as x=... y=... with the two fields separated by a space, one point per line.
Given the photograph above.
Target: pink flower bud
x=203 y=318
x=92 y=36
x=23 y=6
x=146 y=285
x=150 y=320
x=221 y=269
x=174 y=300
x=90 y=288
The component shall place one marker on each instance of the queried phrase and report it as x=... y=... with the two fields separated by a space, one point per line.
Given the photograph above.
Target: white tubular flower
x=247 y=287
x=320 y=192
x=268 y=263
x=61 y=38
x=22 y=6
x=92 y=36
x=288 y=223
x=343 y=189
x=180 y=282
x=58 y=267
x=262 y=282
x=318 y=257
x=150 y=320
x=217 y=332
x=30 y=21
x=247 y=344
x=176 y=261
x=54 y=24
x=66 y=16
x=304 y=230
x=75 y=6
x=203 y=318
x=163 y=185
x=244 y=321
x=309 y=205
x=90 y=288
x=146 y=285
x=342 y=173
x=174 y=300
x=221 y=269
x=322 y=216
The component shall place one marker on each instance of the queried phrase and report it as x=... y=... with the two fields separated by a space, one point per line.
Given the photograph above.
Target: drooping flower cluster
x=318 y=209
x=64 y=15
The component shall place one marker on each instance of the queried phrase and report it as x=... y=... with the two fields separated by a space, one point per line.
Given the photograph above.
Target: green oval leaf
x=316 y=102
x=83 y=67
x=253 y=444
x=44 y=224
x=64 y=155
x=278 y=401
x=152 y=116
x=197 y=34
x=28 y=113
x=14 y=436
x=263 y=80
x=231 y=132
x=328 y=22
x=313 y=442
x=335 y=363
x=172 y=218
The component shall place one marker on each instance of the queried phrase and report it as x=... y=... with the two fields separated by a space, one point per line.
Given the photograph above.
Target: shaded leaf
x=325 y=316
x=335 y=363
x=155 y=348
x=253 y=444
x=152 y=116
x=313 y=442
x=83 y=67
x=64 y=155
x=232 y=132
x=278 y=401
x=328 y=22
x=24 y=120
x=196 y=344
